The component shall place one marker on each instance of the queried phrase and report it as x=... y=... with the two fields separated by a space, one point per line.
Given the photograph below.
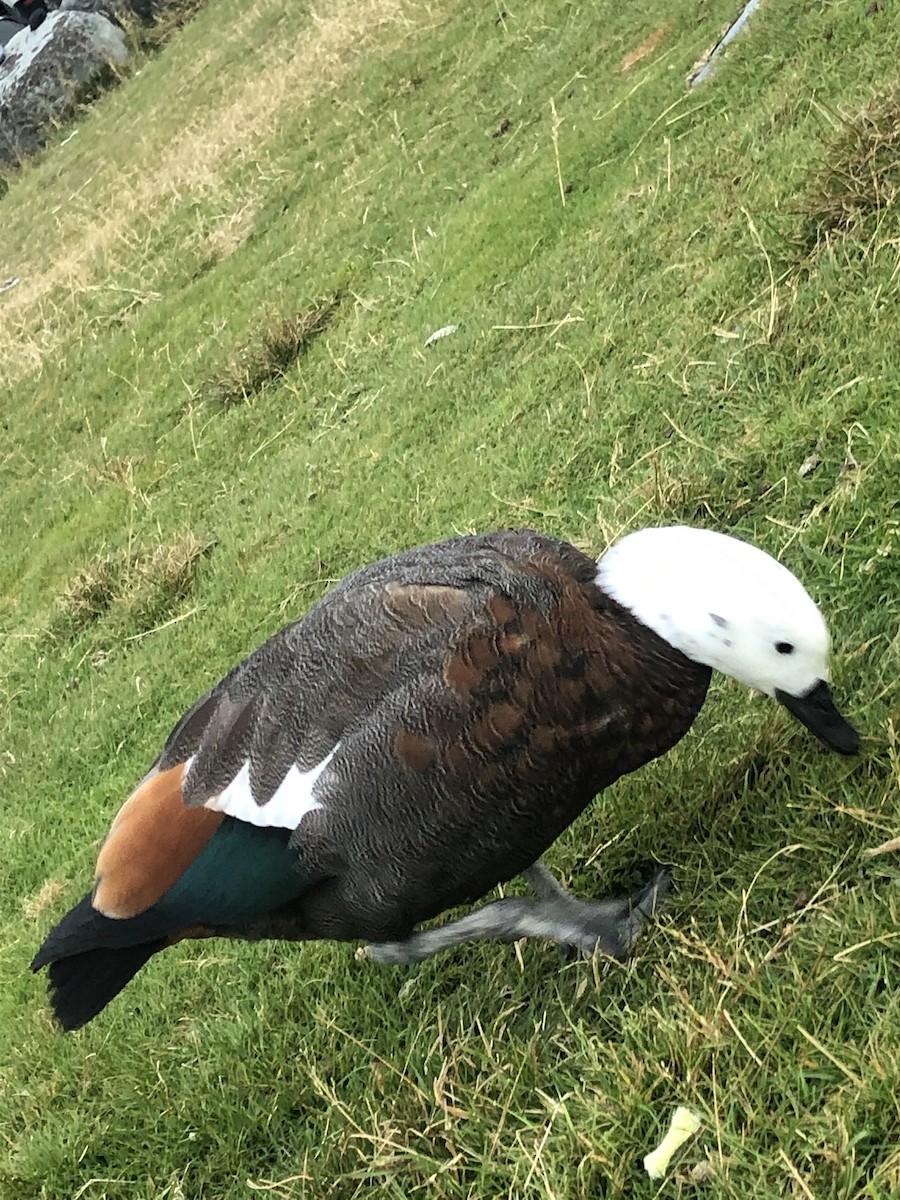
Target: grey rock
x=43 y=72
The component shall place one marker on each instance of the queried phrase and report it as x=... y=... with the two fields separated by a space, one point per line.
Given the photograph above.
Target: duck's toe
x=612 y=926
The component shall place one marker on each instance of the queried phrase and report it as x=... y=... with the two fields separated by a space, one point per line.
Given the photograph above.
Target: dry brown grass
x=229 y=232
x=648 y=46
x=34 y=907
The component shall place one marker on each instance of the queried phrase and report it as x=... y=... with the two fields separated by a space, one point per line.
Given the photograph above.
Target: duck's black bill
x=817 y=712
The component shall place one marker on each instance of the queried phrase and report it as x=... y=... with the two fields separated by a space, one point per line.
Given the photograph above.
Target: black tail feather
x=83 y=985
x=91 y=958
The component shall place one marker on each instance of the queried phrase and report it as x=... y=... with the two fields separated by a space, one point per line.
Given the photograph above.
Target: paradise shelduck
x=424 y=733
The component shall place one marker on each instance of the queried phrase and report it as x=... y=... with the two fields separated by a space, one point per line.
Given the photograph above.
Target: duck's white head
x=731 y=606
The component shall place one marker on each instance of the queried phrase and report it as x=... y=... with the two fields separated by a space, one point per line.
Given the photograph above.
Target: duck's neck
x=645 y=575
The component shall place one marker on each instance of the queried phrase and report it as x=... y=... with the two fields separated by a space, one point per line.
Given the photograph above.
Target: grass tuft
x=136 y=592
x=162 y=22
x=90 y=594
x=860 y=174
x=268 y=356
x=161 y=580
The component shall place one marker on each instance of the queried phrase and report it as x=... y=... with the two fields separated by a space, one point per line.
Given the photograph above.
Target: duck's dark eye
x=784 y=647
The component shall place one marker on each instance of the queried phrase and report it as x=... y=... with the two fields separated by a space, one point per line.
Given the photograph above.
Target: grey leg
x=611 y=926
x=548 y=887
x=544 y=882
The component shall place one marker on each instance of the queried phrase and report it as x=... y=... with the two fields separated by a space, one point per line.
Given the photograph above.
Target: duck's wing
x=379 y=688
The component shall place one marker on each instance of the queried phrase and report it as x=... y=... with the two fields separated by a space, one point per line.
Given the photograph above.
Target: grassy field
x=673 y=304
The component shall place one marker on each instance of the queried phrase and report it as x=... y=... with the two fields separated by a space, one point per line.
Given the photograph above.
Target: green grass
x=216 y=400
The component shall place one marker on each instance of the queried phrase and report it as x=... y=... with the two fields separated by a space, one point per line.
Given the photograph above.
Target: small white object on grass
x=443 y=332
x=684 y=1125
x=809 y=465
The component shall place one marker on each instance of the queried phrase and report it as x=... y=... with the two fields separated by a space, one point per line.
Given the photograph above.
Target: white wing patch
x=289 y=804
